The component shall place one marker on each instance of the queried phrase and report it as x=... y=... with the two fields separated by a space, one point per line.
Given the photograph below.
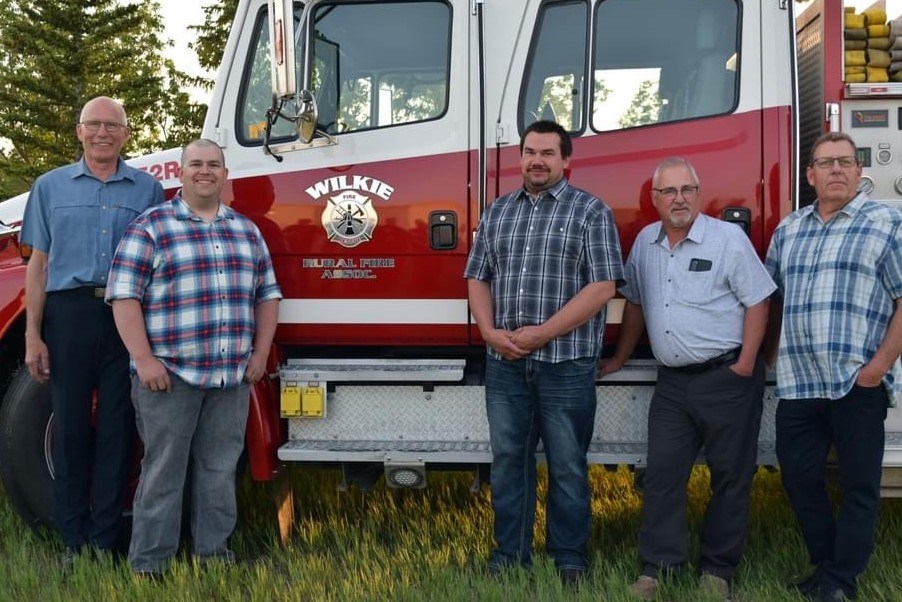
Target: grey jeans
x=187 y=428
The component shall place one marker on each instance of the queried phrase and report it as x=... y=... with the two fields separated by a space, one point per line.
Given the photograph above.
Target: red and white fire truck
x=365 y=138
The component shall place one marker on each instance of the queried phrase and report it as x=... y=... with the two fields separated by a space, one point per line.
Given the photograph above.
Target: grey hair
x=674 y=162
x=114 y=102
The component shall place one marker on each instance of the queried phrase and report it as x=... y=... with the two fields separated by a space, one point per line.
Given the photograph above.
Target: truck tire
x=26 y=444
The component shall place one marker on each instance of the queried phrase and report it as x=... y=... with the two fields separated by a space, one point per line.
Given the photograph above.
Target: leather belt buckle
x=100 y=292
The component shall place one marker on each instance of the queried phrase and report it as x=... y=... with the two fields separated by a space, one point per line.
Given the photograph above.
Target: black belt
x=711 y=364
x=98 y=292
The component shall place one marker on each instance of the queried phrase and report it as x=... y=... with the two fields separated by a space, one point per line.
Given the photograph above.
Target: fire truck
x=365 y=139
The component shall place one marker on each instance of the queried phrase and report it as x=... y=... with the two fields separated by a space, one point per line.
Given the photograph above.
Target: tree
x=645 y=107
x=212 y=35
x=55 y=56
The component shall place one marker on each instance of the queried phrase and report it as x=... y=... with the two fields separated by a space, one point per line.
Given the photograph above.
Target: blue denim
x=528 y=400
x=188 y=431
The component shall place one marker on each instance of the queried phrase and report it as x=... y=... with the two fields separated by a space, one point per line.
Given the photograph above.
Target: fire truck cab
x=365 y=139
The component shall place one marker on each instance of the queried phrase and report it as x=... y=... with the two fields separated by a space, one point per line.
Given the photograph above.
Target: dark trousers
x=806 y=428
x=720 y=410
x=92 y=455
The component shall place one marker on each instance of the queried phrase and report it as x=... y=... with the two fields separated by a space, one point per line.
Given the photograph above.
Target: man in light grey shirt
x=699 y=288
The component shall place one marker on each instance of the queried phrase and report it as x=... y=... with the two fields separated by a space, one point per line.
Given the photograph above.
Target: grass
x=427 y=545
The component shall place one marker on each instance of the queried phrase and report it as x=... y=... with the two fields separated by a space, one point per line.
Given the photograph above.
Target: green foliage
x=54 y=56
x=212 y=35
x=429 y=545
x=645 y=107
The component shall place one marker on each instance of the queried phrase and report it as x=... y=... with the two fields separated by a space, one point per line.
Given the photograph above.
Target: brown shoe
x=714 y=587
x=645 y=588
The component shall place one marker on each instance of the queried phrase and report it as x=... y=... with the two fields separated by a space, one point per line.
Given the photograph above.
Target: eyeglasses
x=827 y=162
x=669 y=194
x=110 y=126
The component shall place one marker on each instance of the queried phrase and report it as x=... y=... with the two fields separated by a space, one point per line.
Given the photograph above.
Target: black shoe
x=572 y=577
x=826 y=593
x=805 y=585
x=67 y=562
x=494 y=570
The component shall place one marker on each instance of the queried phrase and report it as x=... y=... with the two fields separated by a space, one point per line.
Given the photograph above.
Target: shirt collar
x=696 y=232
x=123 y=171
x=850 y=209
x=183 y=211
x=554 y=193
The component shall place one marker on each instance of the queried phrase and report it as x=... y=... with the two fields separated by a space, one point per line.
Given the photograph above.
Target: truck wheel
x=26 y=445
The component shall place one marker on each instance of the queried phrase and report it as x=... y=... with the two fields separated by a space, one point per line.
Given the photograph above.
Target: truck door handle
x=443 y=230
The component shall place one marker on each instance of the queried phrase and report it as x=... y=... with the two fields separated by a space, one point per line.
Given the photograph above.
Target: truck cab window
x=256 y=89
x=656 y=61
x=556 y=74
x=404 y=82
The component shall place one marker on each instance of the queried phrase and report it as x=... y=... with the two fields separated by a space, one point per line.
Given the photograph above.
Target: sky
x=178 y=15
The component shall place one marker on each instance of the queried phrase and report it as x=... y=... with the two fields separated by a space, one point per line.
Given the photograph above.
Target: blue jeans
x=201 y=430
x=527 y=400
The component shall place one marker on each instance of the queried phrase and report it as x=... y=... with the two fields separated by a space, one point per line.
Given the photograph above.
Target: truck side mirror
x=307 y=116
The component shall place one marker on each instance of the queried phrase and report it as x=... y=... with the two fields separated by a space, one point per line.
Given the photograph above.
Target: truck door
x=366 y=221
x=637 y=81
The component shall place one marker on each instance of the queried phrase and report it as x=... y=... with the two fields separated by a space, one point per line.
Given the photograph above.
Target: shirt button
x=103 y=206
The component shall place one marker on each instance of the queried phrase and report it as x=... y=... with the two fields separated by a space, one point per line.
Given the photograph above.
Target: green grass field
x=428 y=545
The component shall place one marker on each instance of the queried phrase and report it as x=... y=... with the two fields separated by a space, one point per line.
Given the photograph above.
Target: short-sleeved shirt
x=694 y=295
x=78 y=220
x=538 y=254
x=839 y=281
x=198 y=283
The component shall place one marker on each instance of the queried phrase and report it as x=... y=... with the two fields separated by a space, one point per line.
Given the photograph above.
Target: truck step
x=357 y=370
x=460 y=452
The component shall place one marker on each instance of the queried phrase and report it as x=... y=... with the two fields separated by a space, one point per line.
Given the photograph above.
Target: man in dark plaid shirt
x=544 y=264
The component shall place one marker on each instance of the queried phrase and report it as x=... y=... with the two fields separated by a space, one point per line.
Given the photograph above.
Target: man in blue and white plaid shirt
x=543 y=265
x=838 y=267
x=195 y=300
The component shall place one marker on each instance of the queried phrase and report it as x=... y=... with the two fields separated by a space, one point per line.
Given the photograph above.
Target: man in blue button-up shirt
x=73 y=221
x=838 y=266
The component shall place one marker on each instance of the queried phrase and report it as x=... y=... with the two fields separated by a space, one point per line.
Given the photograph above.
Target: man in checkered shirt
x=195 y=300
x=838 y=267
x=544 y=263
